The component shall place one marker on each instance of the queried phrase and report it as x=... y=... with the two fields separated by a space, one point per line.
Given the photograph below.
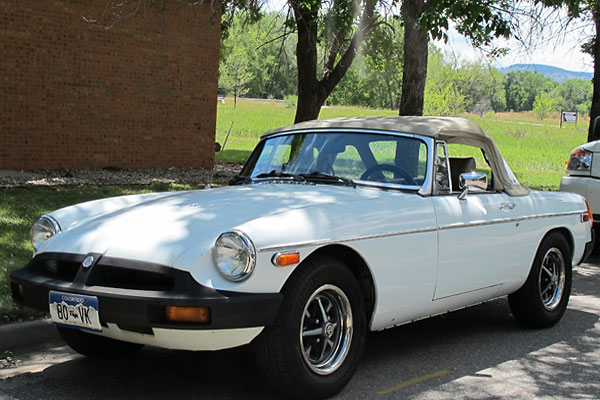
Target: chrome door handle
x=508 y=206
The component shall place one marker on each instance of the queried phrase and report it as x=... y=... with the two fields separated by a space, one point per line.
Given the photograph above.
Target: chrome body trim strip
x=414 y=231
x=506 y=220
x=332 y=241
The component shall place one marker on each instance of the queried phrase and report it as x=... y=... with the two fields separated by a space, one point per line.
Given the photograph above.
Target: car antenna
x=212 y=173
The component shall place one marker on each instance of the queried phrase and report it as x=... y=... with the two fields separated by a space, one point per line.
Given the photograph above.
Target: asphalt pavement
x=476 y=353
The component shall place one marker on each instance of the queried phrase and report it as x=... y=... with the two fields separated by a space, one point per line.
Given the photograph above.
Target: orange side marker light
x=284 y=259
x=188 y=314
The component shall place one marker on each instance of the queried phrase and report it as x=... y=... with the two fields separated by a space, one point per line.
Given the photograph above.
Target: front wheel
x=542 y=300
x=315 y=343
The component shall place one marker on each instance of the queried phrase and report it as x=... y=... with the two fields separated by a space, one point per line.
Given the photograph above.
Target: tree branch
x=331 y=78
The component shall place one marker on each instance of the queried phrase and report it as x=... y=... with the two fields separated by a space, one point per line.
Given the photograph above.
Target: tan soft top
x=449 y=129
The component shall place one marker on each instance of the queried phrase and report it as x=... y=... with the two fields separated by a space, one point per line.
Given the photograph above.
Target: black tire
x=596 y=229
x=96 y=346
x=542 y=300
x=286 y=357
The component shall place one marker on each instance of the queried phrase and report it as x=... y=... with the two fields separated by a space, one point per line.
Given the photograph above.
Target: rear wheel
x=315 y=343
x=92 y=345
x=543 y=299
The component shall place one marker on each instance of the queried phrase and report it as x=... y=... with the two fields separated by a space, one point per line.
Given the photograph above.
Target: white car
x=333 y=228
x=584 y=175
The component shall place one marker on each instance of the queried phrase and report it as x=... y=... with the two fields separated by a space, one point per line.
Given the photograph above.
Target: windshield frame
x=424 y=189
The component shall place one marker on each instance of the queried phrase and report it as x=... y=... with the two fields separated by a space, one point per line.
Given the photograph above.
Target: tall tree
x=478 y=20
x=349 y=24
x=416 y=44
x=234 y=74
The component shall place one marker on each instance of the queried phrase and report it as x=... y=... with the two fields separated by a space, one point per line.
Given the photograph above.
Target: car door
x=479 y=242
x=480 y=238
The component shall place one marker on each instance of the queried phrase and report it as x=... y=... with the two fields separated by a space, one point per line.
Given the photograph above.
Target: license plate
x=75 y=310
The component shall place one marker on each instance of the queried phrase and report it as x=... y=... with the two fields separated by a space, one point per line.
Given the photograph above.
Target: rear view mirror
x=596 y=128
x=471 y=181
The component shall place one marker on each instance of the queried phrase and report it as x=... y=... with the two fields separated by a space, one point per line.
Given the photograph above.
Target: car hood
x=160 y=227
x=590 y=146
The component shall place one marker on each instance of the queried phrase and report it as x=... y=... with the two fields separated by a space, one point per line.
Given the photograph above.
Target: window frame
x=424 y=189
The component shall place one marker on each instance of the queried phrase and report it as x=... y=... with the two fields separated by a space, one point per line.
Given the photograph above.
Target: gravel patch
x=116 y=176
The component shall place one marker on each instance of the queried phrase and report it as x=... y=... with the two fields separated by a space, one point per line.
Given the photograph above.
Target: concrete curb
x=27 y=334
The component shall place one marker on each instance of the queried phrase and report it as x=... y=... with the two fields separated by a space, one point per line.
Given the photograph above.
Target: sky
x=563 y=52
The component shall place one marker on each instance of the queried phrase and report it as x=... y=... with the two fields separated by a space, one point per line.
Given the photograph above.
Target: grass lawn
x=535 y=151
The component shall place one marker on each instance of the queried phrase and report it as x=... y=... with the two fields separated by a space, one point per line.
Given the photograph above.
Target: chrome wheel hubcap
x=326 y=329
x=551 y=280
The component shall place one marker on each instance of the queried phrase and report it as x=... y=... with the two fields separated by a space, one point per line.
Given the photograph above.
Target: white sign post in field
x=568 y=117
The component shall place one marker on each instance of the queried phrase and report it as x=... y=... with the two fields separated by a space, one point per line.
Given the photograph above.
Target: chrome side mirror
x=471 y=181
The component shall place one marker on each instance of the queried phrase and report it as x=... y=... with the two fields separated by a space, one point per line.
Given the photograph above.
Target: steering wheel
x=387 y=167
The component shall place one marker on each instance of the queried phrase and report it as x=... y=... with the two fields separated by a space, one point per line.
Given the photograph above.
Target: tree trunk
x=309 y=102
x=312 y=92
x=595 y=110
x=414 y=73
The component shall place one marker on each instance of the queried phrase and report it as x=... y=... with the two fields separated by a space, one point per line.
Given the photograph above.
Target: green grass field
x=535 y=151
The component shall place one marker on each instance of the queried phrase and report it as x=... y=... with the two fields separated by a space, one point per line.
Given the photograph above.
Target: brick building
x=76 y=95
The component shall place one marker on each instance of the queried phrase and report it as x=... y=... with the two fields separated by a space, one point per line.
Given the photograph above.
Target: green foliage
x=442 y=101
x=374 y=79
x=543 y=105
x=268 y=49
x=522 y=87
x=482 y=86
x=480 y=21
x=573 y=93
x=353 y=89
x=384 y=57
x=442 y=96
x=584 y=108
x=234 y=74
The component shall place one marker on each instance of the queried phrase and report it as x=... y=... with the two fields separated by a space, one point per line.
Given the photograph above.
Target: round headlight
x=43 y=229
x=235 y=255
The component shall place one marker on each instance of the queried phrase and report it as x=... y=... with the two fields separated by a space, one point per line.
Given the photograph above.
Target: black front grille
x=64 y=270
x=126 y=278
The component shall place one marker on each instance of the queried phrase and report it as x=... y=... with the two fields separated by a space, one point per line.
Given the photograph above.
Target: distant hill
x=558 y=74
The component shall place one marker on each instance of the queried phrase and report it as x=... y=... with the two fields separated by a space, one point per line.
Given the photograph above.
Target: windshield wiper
x=320 y=177
x=240 y=180
x=281 y=174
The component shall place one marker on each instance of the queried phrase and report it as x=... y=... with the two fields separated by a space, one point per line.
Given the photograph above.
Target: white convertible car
x=332 y=228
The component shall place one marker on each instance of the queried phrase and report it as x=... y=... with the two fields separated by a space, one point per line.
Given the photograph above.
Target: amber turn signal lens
x=286 y=259
x=20 y=289
x=188 y=314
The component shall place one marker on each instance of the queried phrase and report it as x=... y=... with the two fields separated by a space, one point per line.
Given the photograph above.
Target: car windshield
x=338 y=158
